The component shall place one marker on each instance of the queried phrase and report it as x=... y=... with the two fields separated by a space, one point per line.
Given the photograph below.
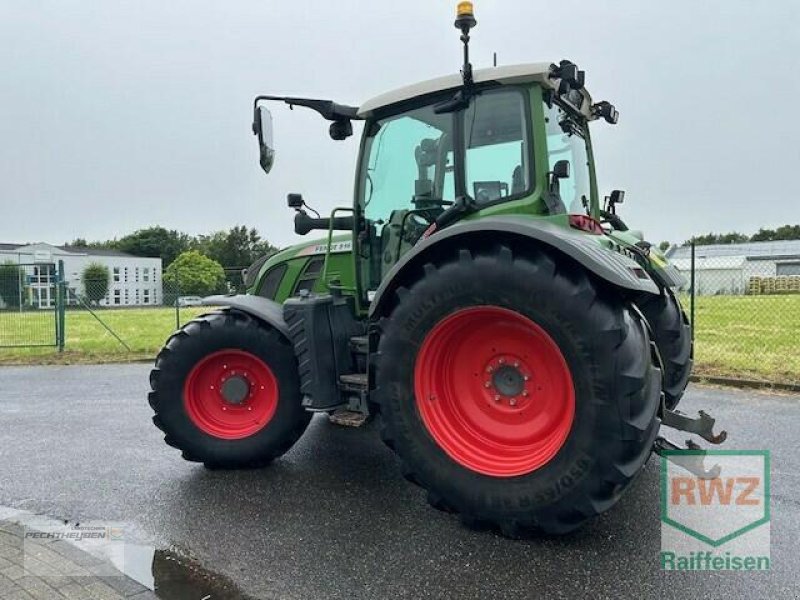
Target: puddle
x=173 y=577
x=170 y=574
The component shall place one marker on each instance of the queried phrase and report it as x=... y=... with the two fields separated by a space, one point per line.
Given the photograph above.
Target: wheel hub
x=235 y=389
x=494 y=391
x=231 y=394
x=508 y=381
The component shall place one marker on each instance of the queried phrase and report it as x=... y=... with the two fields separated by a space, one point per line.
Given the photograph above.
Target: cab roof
x=507 y=74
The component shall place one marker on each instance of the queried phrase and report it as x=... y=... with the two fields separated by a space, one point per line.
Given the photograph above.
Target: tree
x=664 y=246
x=154 y=242
x=95 y=281
x=784 y=232
x=192 y=274
x=12 y=279
x=716 y=238
x=236 y=248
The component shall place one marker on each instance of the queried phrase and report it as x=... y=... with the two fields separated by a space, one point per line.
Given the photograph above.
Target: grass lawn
x=755 y=337
x=748 y=337
x=144 y=330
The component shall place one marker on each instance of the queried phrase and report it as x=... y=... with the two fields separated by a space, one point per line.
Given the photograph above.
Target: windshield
x=565 y=141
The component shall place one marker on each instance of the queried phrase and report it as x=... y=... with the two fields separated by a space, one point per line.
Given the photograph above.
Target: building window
x=127 y=296
x=126 y=274
x=116 y=274
x=116 y=297
x=136 y=275
x=146 y=294
x=787 y=269
x=146 y=274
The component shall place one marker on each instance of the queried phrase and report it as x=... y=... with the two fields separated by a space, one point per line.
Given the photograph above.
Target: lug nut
x=516 y=364
x=526 y=377
x=525 y=393
x=497 y=398
x=502 y=360
x=513 y=402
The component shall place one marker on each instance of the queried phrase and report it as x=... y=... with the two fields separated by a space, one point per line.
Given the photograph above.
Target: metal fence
x=39 y=307
x=746 y=312
x=29 y=303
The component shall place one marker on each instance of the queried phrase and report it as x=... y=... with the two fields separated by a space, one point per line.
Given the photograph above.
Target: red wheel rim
x=494 y=391
x=230 y=394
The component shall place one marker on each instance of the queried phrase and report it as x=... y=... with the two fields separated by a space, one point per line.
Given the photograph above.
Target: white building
x=133 y=280
x=728 y=268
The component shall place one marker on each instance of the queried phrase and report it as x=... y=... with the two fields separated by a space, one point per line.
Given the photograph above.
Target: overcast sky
x=120 y=115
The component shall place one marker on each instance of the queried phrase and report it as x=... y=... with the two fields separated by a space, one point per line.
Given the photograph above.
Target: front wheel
x=515 y=390
x=225 y=391
x=672 y=334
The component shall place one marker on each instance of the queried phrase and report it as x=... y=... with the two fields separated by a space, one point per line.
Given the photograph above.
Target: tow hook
x=702 y=425
x=692 y=461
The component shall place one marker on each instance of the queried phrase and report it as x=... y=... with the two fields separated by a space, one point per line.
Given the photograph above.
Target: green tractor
x=519 y=345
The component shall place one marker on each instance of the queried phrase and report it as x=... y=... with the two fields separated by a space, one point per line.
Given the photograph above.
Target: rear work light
x=586 y=223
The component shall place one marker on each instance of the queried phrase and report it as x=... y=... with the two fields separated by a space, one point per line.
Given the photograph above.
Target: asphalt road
x=334 y=519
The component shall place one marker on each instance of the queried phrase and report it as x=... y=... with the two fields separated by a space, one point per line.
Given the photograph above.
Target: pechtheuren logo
x=717 y=521
x=44 y=551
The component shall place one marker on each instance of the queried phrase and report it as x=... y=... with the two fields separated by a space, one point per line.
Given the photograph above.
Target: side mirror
x=262 y=127
x=616 y=197
x=560 y=170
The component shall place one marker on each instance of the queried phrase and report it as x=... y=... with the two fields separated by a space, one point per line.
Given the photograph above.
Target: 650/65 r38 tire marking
x=230 y=394
x=494 y=391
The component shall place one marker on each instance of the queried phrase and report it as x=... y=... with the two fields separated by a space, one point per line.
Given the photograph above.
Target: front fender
x=616 y=268
x=265 y=309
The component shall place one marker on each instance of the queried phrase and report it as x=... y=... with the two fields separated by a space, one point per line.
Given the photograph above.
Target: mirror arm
x=327 y=108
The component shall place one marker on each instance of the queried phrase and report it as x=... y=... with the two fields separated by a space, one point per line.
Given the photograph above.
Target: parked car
x=189 y=301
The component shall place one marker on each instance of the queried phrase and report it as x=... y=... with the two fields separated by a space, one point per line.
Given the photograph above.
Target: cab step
x=348 y=418
x=353 y=382
x=359 y=344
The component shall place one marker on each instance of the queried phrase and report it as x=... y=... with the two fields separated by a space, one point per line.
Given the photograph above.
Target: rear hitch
x=691 y=461
x=702 y=425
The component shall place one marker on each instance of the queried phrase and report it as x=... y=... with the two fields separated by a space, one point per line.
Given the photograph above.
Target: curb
x=745 y=383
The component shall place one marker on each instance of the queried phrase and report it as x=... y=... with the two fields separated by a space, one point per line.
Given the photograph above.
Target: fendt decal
x=336 y=248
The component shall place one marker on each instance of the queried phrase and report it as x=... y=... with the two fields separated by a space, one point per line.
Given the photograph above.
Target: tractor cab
x=513 y=140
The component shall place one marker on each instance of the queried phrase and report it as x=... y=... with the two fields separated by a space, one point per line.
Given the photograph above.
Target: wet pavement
x=334 y=518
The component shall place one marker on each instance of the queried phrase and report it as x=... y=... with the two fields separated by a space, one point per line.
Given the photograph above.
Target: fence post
x=694 y=293
x=61 y=307
x=177 y=303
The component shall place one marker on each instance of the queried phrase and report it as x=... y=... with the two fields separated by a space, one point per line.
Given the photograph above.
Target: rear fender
x=267 y=310
x=613 y=267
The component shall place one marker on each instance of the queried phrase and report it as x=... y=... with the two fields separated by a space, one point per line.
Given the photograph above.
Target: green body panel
x=296 y=258
x=657 y=260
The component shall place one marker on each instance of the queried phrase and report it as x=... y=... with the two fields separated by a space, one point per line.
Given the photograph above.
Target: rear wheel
x=225 y=392
x=515 y=390
x=672 y=334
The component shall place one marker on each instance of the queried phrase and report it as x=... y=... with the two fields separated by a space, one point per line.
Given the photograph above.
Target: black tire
x=201 y=337
x=606 y=348
x=672 y=334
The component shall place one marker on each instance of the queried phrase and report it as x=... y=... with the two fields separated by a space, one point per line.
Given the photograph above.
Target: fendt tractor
x=518 y=344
